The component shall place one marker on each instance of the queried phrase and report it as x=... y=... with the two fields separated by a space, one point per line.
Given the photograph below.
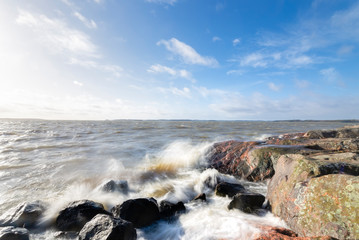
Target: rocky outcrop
x=224 y=189
x=115 y=186
x=105 y=227
x=13 y=233
x=141 y=212
x=75 y=215
x=314 y=178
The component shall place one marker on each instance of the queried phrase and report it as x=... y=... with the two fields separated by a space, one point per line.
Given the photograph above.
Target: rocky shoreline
x=312 y=180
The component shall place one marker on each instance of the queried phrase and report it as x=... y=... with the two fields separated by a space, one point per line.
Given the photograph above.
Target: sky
x=179 y=59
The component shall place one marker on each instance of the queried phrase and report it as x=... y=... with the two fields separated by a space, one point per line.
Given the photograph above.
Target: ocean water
x=63 y=161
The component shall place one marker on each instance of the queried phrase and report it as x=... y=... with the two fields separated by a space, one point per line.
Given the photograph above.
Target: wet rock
x=247 y=202
x=115 y=186
x=74 y=216
x=317 y=195
x=66 y=235
x=201 y=196
x=276 y=233
x=23 y=215
x=224 y=189
x=105 y=227
x=168 y=209
x=141 y=212
x=13 y=233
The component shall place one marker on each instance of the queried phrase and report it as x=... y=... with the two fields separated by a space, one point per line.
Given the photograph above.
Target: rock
x=66 y=235
x=276 y=233
x=13 y=233
x=115 y=186
x=74 y=216
x=168 y=209
x=23 y=215
x=105 y=227
x=247 y=202
x=224 y=189
x=201 y=196
x=346 y=132
x=317 y=195
x=141 y=212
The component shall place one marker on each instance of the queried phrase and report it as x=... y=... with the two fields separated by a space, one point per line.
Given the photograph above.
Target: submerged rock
x=224 y=189
x=141 y=212
x=168 y=209
x=115 y=186
x=23 y=215
x=201 y=196
x=75 y=215
x=13 y=233
x=247 y=202
x=105 y=227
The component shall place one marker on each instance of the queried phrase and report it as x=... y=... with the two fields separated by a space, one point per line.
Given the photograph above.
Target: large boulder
x=247 y=202
x=141 y=212
x=105 y=227
x=317 y=195
x=168 y=209
x=13 y=233
x=224 y=189
x=75 y=215
x=23 y=215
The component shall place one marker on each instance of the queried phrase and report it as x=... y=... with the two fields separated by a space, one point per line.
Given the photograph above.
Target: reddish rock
x=275 y=233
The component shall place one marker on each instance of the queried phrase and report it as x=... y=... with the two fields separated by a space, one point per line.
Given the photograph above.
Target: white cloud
x=187 y=53
x=80 y=84
x=57 y=36
x=300 y=60
x=168 y=2
x=185 y=92
x=158 y=68
x=236 y=41
x=272 y=86
x=88 y=23
x=216 y=39
x=330 y=75
x=346 y=49
x=254 y=60
x=235 y=72
x=115 y=70
x=98 y=1
x=302 y=83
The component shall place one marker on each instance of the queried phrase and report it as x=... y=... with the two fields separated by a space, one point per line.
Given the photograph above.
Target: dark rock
x=23 y=215
x=141 y=212
x=229 y=189
x=66 y=235
x=168 y=209
x=77 y=214
x=115 y=186
x=13 y=233
x=247 y=202
x=201 y=196
x=104 y=227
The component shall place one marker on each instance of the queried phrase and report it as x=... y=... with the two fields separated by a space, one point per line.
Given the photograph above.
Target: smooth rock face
x=77 y=214
x=247 y=202
x=13 y=233
x=23 y=215
x=104 y=227
x=224 y=189
x=141 y=212
x=168 y=209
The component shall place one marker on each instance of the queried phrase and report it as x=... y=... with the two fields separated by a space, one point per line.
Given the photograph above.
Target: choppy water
x=63 y=161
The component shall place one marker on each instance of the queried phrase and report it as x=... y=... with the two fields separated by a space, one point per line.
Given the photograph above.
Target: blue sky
x=179 y=59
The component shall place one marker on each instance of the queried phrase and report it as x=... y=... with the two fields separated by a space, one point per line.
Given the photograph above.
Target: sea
x=58 y=162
